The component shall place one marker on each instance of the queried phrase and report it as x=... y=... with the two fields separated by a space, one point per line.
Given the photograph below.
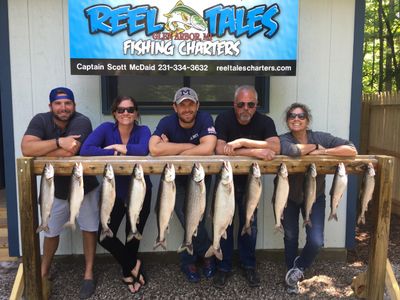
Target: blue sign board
x=186 y=37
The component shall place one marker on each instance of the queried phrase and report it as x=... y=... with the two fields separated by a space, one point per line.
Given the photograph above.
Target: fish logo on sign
x=182 y=18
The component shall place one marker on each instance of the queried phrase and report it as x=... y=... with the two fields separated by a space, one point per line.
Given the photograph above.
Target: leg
x=89 y=250
x=315 y=234
x=291 y=232
x=50 y=245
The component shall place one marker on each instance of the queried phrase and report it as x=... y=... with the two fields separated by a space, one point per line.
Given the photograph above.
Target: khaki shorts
x=88 y=218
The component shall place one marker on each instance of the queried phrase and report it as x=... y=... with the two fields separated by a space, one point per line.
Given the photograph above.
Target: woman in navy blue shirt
x=124 y=137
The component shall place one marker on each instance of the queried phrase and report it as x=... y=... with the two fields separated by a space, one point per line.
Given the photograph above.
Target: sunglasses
x=293 y=116
x=249 y=104
x=130 y=110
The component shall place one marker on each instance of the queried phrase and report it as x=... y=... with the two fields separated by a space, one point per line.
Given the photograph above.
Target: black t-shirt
x=260 y=128
x=42 y=126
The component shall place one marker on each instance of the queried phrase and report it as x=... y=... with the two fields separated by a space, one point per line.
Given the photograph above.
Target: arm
x=34 y=146
x=342 y=150
x=93 y=145
x=160 y=147
x=271 y=143
x=206 y=146
x=262 y=153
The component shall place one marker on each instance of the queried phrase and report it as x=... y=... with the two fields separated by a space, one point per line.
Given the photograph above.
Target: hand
x=164 y=138
x=265 y=154
x=121 y=148
x=229 y=148
x=70 y=143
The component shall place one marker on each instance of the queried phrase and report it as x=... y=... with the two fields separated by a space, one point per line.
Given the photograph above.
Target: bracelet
x=57 y=143
x=316 y=146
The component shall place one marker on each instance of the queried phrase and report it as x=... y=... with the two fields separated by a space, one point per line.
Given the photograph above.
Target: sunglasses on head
x=293 y=116
x=121 y=110
x=249 y=104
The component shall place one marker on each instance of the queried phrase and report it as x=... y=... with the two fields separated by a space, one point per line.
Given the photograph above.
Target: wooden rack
x=29 y=168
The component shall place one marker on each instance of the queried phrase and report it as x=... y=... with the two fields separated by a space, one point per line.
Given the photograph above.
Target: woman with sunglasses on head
x=123 y=137
x=300 y=140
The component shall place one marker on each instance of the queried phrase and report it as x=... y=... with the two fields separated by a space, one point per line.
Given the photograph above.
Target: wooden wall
x=40 y=61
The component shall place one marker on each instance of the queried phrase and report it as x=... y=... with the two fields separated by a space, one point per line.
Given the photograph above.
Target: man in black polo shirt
x=60 y=133
x=243 y=131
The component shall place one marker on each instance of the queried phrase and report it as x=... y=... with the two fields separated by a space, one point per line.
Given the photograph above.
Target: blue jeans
x=314 y=234
x=246 y=243
x=201 y=242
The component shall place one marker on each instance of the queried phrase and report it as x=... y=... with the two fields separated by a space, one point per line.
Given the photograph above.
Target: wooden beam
x=18 y=286
x=392 y=286
x=123 y=165
x=380 y=235
x=29 y=222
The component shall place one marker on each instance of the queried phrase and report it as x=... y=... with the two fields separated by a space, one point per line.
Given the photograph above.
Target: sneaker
x=220 y=279
x=208 y=267
x=87 y=289
x=252 y=277
x=293 y=276
x=293 y=290
x=191 y=273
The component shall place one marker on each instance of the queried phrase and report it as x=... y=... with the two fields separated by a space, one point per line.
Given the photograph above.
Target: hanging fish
x=46 y=196
x=107 y=201
x=310 y=190
x=366 y=192
x=338 y=188
x=76 y=194
x=280 y=197
x=137 y=193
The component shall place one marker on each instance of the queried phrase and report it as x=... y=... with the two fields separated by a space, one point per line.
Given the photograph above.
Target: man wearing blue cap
x=187 y=132
x=60 y=133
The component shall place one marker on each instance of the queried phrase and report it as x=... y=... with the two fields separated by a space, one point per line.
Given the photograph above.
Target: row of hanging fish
x=339 y=185
x=223 y=200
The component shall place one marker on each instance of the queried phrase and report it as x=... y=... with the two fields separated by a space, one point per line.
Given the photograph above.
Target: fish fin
x=168 y=15
x=187 y=27
x=179 y=3
x=185 y=18
x=195 y=232
x=224 y=235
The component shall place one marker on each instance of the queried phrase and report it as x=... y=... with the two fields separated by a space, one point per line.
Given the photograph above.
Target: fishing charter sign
x=185 y=37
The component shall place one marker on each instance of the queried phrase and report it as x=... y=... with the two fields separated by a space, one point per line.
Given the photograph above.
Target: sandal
x=142 y=273
x=131 y=284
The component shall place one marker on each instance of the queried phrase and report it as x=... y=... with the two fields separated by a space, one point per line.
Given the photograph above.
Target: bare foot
x=133 y=286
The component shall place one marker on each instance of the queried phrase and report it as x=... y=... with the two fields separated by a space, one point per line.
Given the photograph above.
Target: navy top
x=108 y=134
x=169 y=126
x=42 y=126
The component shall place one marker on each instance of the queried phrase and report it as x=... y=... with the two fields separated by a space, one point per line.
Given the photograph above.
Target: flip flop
x=131 y=283
x=142 y=273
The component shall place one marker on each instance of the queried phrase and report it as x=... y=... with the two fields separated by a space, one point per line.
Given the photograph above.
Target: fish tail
x=187 y=247
x=333 y=216
x=246 y=229
x=307 y=222
x=361 y=219
x=105 y=233
x=216 y=252
x=162 y=244
x=278 y=228
x=42 y=228
x=70 y=224
x=132 y=235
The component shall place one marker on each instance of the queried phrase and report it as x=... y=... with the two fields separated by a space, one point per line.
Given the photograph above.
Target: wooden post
x=28 y=210
x=380 y=234
x=365 y=125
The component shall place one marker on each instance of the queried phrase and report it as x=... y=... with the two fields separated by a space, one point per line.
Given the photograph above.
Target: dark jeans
x=314 y=234
x=246 y=243
x=125 y=253
x=201 y=242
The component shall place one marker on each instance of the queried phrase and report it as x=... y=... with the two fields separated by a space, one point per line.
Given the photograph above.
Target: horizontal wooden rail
x=123 y=165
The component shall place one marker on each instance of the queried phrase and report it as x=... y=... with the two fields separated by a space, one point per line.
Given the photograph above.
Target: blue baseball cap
x=61 y=93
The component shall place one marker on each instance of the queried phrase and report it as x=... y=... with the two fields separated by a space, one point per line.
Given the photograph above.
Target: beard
x=245 y=118
x=64 y=118
x=186 y=120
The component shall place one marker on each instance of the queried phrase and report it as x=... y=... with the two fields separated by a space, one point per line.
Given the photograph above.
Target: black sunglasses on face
x=249 y=104
x=293 y=116
x=121 y=110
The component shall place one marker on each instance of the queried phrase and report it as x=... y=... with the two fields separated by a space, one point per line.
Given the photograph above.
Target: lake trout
x=137 y=193
x=280 y=197
x=224 y=208
x=366 y=192
x=76 y=194
x=252 y=196
x=46 y=197
x=338 y=188
x=107 y=201
x=165 y=204
x=310 y=190
x=195 y=204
